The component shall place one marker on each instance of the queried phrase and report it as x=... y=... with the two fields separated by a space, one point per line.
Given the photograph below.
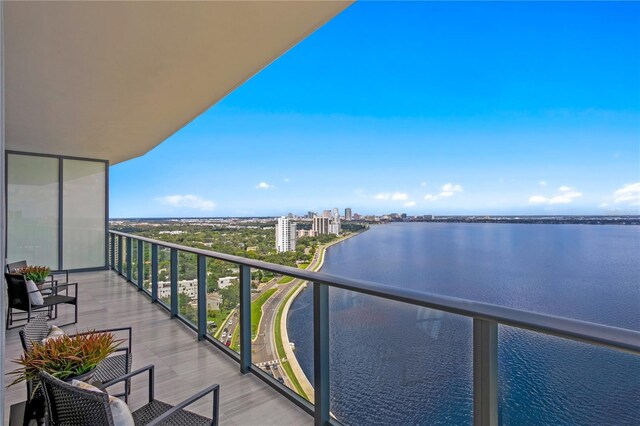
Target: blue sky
x=418 y=107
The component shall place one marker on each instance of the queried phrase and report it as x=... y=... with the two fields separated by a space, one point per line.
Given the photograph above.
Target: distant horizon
x=463 y=108
x=377 y=215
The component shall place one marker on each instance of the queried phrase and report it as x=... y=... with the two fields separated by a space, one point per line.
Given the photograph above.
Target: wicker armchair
x=114 y=366
x=19 y=297
x=70 y=405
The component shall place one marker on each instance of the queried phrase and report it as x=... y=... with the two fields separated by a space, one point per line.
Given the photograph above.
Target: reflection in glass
x=32 y=210
x=83 y=217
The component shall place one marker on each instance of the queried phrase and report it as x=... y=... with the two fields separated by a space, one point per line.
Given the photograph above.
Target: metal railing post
x=112 y=254
x=245 y=319
x=154 y=273
x=129 y=247
x=321 y=353
x=202 y=296
x=140 y=265
x=174 y=283
x=119 y=269
x=485 y=373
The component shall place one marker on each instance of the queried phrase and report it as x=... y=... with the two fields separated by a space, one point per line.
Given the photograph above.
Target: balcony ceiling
x=111 y=80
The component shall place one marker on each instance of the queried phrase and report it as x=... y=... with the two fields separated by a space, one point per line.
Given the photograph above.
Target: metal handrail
x=597 y=334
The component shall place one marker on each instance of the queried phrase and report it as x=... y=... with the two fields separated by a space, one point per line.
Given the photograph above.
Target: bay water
x=393 y=363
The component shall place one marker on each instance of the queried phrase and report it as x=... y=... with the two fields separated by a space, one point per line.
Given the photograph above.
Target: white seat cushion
x=35 y=297
x=55 y=332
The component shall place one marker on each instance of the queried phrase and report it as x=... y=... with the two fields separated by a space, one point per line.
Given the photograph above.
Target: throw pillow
x=35 y=297
x=119 y=409
x=54 y=333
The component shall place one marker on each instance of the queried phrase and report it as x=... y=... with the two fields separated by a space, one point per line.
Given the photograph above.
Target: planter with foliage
x=65 y=357
x=37 y=274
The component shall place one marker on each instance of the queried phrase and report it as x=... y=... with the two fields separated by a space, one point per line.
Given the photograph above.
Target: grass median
x=285 y=280
x=256 y=310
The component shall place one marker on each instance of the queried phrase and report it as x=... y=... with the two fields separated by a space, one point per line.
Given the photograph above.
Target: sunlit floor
x=183 y=365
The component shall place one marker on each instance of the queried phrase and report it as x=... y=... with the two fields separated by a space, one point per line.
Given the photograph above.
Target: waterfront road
x=264 y=350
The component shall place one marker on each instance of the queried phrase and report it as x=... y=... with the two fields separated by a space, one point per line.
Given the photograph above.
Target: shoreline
x=301 y=377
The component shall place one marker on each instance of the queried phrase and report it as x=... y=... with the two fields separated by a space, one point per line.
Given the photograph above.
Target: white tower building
x=285 y=235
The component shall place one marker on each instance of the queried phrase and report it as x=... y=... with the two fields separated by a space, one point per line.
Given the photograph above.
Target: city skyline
x=394 y=107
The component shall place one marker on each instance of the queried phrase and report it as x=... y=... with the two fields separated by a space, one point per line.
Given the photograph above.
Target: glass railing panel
x=188 y=287
x=395 y=363
x=164 y=276
x=549 y=380
x=223 y=298
x=146 y=268
x=272 y=348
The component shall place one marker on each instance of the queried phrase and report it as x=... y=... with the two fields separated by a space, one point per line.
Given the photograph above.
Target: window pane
x=32 y=209
x=83 y=214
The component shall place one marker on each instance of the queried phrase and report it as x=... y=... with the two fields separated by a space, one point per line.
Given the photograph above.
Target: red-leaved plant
x=66 y=356
x=35 y=273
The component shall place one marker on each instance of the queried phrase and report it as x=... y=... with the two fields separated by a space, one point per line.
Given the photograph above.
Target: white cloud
x=409 y=204
x=542 y=183
x=450 y=187
x=396 y=196
x=538 y=199
x=628 y=194
x=423 y=183
x=565 y=198
x=264 y=185
x=188 y=201
x=286 y=180
x=565 y=195
x=399 y=196
x=603 y=205
x=430 y=197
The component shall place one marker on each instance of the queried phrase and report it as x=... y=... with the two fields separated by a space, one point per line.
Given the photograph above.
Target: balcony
x=189 y=356
x=183 y=365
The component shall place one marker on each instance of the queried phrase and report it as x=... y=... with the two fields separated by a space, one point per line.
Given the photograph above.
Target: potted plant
x=65 y=357
x=37 y=274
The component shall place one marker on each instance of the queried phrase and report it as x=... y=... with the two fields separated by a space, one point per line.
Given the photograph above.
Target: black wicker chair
x=113 y=367
x=19 y=297
x=70 y=405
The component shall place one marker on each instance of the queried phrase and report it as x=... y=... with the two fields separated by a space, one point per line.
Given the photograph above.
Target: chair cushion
x=54 y=300
x=55 y=332
x=35 y=297
x=119 y=409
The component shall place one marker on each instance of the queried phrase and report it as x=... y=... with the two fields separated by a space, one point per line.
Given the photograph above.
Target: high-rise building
x=334 y=226
x=347 y=213
x=285 y=235
x=320 y=225
x=335 y=213
x=326 y=213
x=311 y=214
